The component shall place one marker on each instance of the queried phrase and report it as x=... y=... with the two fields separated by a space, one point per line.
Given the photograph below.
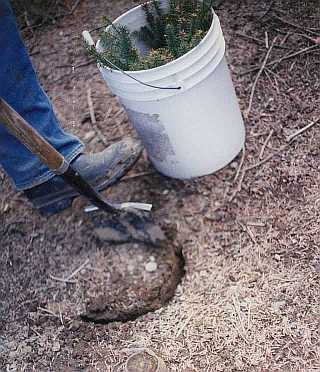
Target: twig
x=296 y=26
x=312 y=39
x=241 y=163
x=60 y=315
x=64 y=66
x=91 y=108
x=49 y=312
x=108 y=113
x=265 y=160
x=265 y=144
x=100 y=135
x=256 y=224
x=246 y=229
x=185 y=324
x=247 y=112
x=250 y=233
x=302 y=130
x=286 y=36
x=118 y=113
x=256 y=165
x=99 y=131
x=84 y=64
x=35 y=331
x=96 y=29
x=259 y=41
x=62 y=279
x=267 y=11
x=267 y=40
x=276 y=76
x=75 y=5
x=249 y=37
x=258 y=134
x=239 y=187
x=73 y=274
x=78 y=270
x=295 y=54
x=137 y=175
x=304 y=50
x=34 y=53
x=237 y=309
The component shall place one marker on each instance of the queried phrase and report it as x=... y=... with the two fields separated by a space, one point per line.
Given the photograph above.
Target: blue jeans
x=20 y=87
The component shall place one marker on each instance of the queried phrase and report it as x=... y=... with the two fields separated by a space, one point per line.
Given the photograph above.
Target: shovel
x=58 y=164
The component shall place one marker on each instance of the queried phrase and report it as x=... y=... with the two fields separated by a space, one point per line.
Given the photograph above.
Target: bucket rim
x=137 y=73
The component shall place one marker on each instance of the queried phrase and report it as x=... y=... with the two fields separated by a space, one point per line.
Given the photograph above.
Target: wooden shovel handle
x=23 y=131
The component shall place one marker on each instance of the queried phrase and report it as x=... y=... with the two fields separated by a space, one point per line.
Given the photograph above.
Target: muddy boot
x=101 y=170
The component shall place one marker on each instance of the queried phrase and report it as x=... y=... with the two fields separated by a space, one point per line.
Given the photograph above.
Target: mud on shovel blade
x=27 y=135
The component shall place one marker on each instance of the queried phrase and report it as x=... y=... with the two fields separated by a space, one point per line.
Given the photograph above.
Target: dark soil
x=250 y=236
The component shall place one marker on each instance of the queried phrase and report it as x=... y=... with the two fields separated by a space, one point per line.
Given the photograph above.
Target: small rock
x=277 y=257
x=56 y=346
x=234 y=165
x=151 y=267
x=165 y=192
x=152 y=259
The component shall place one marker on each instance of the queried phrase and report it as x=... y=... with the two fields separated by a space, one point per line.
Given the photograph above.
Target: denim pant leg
x=20 y=87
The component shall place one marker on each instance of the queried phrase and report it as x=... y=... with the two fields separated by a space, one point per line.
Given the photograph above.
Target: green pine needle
x=168 y=35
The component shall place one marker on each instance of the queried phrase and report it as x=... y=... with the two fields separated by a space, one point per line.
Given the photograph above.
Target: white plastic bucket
x=193 y=131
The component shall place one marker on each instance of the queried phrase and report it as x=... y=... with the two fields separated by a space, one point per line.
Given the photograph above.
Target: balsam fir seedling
x=168 y=34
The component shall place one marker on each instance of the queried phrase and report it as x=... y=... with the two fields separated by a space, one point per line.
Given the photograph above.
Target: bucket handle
x=88 y=39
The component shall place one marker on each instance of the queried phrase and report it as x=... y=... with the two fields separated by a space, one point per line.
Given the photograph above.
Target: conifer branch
x=168 y=35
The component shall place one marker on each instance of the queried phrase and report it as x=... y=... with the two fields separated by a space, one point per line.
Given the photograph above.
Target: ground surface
x=250 y=299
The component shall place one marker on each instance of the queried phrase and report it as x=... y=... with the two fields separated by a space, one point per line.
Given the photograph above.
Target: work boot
x=101 y=170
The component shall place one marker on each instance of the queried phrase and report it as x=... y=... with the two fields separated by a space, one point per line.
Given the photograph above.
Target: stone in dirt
x=151 y=267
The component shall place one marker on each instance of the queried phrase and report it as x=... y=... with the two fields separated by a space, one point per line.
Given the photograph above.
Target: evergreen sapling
x=168 y=35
